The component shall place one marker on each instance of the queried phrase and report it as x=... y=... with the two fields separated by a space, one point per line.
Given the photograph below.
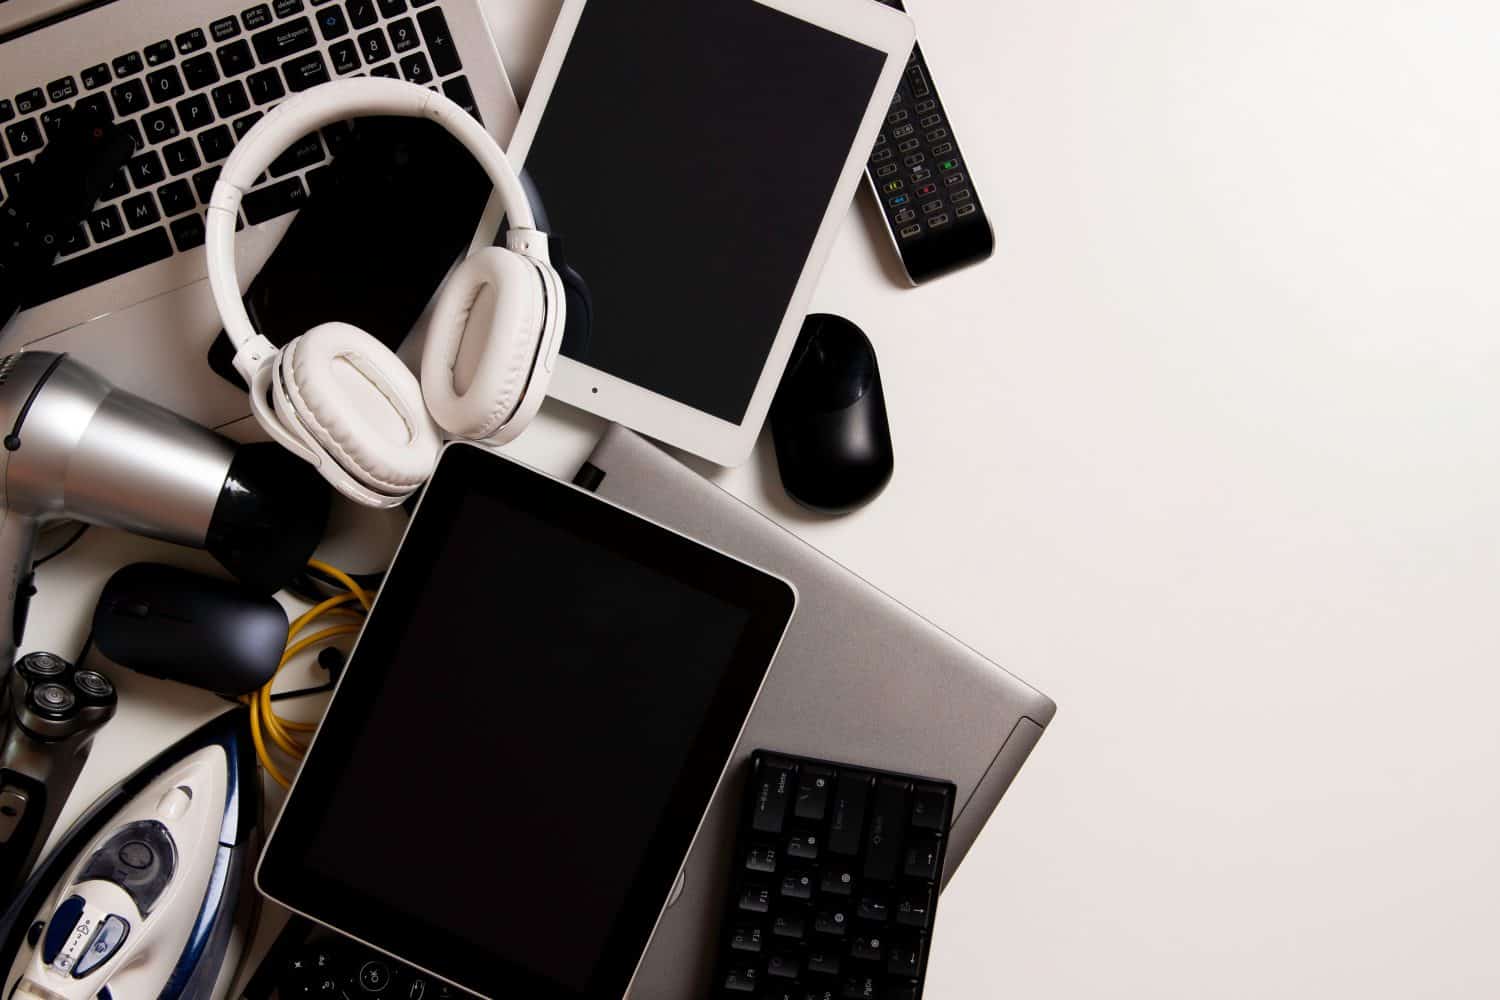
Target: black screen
x=686 y=157
x=527 y=735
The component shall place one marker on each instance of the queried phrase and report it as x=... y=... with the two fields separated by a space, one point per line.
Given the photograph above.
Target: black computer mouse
x=828 y=420
x=170 y=623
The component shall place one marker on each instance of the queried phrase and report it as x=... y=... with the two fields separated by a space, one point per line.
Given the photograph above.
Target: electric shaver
x=55 y=710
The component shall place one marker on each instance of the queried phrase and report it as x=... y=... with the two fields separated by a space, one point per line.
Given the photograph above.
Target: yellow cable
x=264 y=722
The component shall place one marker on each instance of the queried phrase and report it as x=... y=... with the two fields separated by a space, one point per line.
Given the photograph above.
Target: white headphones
x=342 y=400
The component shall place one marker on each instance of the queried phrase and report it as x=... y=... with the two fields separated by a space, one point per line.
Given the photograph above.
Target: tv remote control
x=923 y=182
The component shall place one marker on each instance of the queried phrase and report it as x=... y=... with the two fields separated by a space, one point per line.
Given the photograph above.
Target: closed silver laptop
x=860 y=679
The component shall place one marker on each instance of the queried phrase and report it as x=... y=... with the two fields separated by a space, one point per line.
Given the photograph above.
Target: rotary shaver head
x=52 y=699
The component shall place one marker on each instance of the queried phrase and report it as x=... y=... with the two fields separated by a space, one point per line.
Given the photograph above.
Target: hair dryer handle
x=17 y=536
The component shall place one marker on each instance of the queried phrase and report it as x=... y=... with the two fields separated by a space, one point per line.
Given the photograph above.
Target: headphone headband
x=313 y=109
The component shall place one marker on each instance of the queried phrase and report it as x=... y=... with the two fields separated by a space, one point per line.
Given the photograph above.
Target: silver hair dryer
x=76 y=447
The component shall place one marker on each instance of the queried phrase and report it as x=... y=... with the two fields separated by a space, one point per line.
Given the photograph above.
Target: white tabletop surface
x=1207 y=452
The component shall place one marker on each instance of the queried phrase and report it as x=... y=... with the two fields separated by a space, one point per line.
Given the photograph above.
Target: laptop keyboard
x=186 y=101
x=835 y=881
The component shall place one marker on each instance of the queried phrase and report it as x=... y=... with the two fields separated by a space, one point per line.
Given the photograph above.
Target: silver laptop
x=860 y=679
x=129 y=294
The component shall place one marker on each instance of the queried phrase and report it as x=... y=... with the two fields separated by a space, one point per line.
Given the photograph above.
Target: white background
x=1207 y=452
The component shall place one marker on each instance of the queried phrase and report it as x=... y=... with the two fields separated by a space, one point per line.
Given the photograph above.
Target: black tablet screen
x=543 y=685
x=686 y=157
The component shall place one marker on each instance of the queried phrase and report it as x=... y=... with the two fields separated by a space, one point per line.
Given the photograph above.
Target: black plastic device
x=399 y=204
x=310 y=962
x=922 y=180
x=835 y=882
x=828 y=420
x=46 y=208
x=181 y=626
x=54 y=711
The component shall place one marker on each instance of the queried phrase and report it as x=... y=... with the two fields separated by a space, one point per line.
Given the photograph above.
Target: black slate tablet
x=526 y=737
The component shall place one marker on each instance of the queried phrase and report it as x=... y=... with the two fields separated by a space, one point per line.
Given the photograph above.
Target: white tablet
x=695 y=158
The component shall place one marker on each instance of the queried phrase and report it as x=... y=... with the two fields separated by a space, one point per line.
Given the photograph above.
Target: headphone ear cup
x=482 y=342
x=356 y=399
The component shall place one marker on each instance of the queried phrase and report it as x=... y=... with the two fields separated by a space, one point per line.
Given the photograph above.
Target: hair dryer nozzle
x=270 y=517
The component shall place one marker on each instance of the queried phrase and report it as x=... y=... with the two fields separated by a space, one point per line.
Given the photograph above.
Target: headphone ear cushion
x=482 y=342
x=362 y=404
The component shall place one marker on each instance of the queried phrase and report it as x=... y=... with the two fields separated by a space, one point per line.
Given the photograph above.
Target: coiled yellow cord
x=266 y=727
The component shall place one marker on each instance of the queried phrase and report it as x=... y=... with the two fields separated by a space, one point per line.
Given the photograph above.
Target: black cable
x=303 y=692
x=65 y=546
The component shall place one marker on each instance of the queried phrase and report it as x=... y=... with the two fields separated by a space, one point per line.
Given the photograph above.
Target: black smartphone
x=385 y=222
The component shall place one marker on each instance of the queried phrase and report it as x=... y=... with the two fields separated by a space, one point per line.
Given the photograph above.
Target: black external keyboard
x=835 y=882
x=187 y=100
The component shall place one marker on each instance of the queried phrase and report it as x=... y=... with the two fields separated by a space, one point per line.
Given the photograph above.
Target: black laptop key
x=62 y=90
x=176 y=198
x=141 y=211
x=159 y=52
x=887 y=820
x=373 y=45
x=129 y=97
x=181 y=156
x=873 y=908
x=188 y=232
x=905 y=959
x=160 y=125
x=331 y=22
x=200 y=71
x=459 y=93
x=194 y=113
x=414 y=68
x=95 y=76
x=860 y=988
x=235 y=58
x=361 y=13
x=265 y=86
x=24 y=137
x=273 y=200
x=762 y=858
x=283 y=40
x=106 y=224
x=387 y=71
x=96 y=104
x=204 y=181
x=31 y=101
x=231 y=99
x=256 y=17
x=164 y=84
x=75 y=240
x=118 y=188
x=851 y=797
x=305 y=71
x=82 y=270
x=789 y=925
x=224 y=29
x=286 y=8
x=392 y=8
x=190 y=41
x=772 y=781
x=439 y=41
x=345 y=57
x=127 y=65
x=903 y=991
x=837 y=879
x=833 y=922
x=754 y=898
x=146 y=169
x=245 y=124
x=14 y=174
x=824 y=961
x=216 y=144
x=7 y=111
x=803 y=846
x=52 y=119
x=403 y=35
x=797 y=885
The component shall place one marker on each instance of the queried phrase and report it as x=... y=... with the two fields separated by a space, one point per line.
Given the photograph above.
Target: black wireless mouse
x=828 y=421
x=170 y=623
